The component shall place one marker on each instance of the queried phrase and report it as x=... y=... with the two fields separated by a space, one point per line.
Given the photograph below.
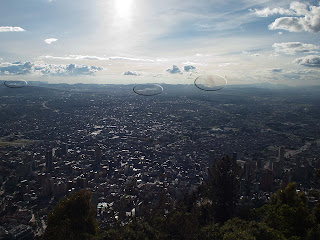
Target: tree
x=237 y=229
x=211 y=231
x=287 y=212
x=240 y=229
x=182 y=225
x=314 y=232
x=317 y=174
x=222 y=189
x=135 y=230
x=72 y=218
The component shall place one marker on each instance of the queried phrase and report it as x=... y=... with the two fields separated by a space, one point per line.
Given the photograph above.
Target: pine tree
x=72 y=218
x=222 y=189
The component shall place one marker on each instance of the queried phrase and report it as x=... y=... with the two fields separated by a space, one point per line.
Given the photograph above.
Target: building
x=249 y=170
x=23 y=232
x=277 y=169
x=49 y=160
x=281 y=156
x=98 y=155
x=267 y=180
x=64 y=148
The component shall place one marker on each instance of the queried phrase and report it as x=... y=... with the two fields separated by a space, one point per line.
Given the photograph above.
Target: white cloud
x=75 y=57
x=50 y=40
x=194 y=63
x=300 y=17
x=11 y=29
x=16 y=68
x=68 y=70
x=86 y=57
x=188 y=68
x=251 y=54
x=295 y=47
x=304 y=71
x=299 y=8
x=24 y=68
x=291 y=24
x=266 y=12
x=309 y=61
x=308 y=22
x=227 y=64
x=174 y=70
x=131 y=59
x=295 y=9
x=130 y=73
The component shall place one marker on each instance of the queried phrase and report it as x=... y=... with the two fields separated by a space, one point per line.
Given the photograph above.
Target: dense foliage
x=72 y=218
x=287 y=211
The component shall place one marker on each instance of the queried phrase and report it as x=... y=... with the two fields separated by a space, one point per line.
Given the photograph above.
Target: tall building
x=49 y=160
x=30 y=161
x=281 y=156
x=64 y=148
x=267 y=180
x=98 y=155
x=277 y=169
x=249 y=170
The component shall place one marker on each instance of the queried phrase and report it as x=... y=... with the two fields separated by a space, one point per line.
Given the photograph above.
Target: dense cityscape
x=129 y=149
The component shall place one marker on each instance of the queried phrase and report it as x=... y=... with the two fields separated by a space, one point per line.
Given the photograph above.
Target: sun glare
x=123 y=8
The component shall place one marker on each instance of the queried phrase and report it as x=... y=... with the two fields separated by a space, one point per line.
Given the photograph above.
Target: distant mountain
x=265 y=85
x=46 y=88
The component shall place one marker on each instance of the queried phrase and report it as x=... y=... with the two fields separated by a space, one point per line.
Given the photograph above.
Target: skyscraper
x=64 y=148
x=49 y=160
x=98 y=157
x=267 y=180
x=281 y=156
x=30 y=161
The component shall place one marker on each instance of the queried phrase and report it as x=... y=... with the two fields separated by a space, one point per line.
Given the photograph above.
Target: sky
x=167 y=41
